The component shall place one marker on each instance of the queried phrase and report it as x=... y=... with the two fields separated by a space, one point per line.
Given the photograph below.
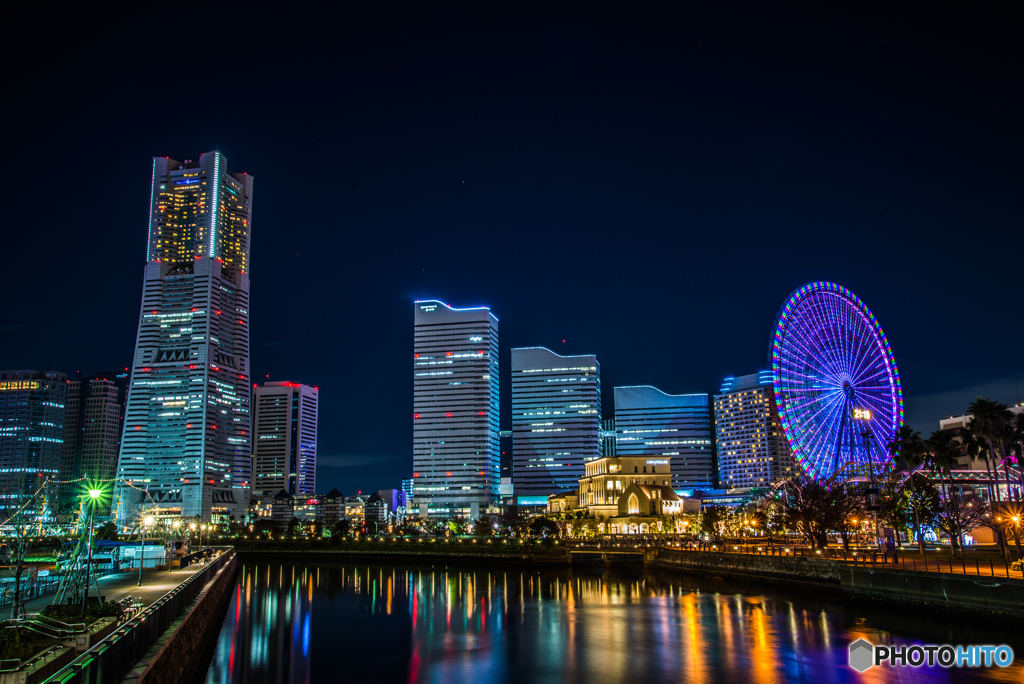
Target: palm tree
x=943 y=452
x=975 y=447
x=908 y=447
x=991 y=422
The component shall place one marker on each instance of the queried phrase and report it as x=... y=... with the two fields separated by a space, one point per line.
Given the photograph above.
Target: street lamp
x=148 y=520
x=94 y=495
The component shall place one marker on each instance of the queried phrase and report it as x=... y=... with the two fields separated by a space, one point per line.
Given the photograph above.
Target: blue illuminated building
x=556 y=421
x=32 y=412
x=456 y=461
x=650 y=423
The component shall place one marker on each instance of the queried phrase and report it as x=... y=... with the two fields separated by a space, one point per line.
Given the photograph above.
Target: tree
x=484 y=526
x=341 y=528
x=848 y=501
x=512 y=523
x=908 y=448
x=944 y=455
x=712 y=521
x=294 y=527
x=958 y=515
x=543 y=528
x=263 y=527
x=808 y=506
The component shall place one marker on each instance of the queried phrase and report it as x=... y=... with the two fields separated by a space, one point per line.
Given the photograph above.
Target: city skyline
x=643 y=191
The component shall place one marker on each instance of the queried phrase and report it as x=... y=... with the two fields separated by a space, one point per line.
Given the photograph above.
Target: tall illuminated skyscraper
x=675 y=428
x=93 y=425
x=456 y=459
x=556 y=421
x=284 y=439
x=752 y=450
x=186 y=444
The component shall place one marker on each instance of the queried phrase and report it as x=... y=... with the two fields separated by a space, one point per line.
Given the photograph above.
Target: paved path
x=155 y=583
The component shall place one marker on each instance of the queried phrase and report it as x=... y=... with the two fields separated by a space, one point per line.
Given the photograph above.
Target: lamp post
x=148 y=520
x=174 y=528
x=94 y=494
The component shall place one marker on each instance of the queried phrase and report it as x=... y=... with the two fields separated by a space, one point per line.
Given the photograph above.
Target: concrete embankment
x=177 y=655
x=399 y=553
x=945 y=593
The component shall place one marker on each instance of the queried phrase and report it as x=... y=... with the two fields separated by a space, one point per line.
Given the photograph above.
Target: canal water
x=358 y=622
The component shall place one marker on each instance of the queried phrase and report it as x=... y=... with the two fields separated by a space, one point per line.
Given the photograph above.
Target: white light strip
x=149 y=235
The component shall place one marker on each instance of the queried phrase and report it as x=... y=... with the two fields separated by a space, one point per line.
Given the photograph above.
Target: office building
x=954 y=424
x=407 y=489
x=93 y=424
x=608 y=445
x=752 y=449
x=32 y=414
x=186 y=444
x=455 y=410
x=556 y=421
x=650 y=423
x=284 y=432
x=395 y=499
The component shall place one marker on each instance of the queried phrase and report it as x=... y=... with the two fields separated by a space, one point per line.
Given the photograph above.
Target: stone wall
x=999 y=597
x=177 y=655
x=743 y=566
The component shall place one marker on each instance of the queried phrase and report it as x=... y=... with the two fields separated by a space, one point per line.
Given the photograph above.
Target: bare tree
x=961 y=514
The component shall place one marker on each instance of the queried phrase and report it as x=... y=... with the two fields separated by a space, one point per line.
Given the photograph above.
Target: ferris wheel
x=835 y=380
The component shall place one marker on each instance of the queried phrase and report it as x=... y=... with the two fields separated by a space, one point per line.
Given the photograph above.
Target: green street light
x=95 y=493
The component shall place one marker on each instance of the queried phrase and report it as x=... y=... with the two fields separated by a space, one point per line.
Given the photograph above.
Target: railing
x=865 y=558
x=44 y=586
x=109 y=661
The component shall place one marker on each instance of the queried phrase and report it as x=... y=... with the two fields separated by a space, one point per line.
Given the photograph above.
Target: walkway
x=155 y=583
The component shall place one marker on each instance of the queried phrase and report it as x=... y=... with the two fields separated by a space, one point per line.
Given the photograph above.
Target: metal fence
x=110 y=660
x=43 y=586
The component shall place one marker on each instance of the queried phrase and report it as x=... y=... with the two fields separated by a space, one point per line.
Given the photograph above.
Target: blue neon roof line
x=470 y=308
x=691 y=394
x=561 y=356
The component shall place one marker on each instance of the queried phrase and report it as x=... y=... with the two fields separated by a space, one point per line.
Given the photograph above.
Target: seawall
x=177 y=656
x=940 y=593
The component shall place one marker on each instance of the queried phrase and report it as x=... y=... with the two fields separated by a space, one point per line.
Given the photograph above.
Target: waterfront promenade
x=155 y=583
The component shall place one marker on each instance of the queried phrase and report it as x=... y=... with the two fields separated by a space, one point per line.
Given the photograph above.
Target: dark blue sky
x=648 y=185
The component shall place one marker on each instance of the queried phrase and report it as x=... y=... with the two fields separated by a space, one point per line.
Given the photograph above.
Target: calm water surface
x=328 y=622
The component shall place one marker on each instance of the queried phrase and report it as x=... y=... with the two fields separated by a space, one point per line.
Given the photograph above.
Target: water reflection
x=321 y=622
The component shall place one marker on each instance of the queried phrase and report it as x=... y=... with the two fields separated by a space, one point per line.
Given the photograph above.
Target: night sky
x=648 y=186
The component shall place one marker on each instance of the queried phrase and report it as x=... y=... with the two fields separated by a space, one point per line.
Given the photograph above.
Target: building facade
x=93 y=425
x=752 y=450
x=653 y=424
x=456 y=460
x=556 y=421
x=32 y=415
x=186 y=444
x=284 y=438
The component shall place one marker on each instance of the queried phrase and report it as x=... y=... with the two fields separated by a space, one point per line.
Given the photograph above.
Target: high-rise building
x=650 y=423
x=752 y=449
x=609 y=446
x=32 y=413
x=556 y=421
x=455 y=410
x=407 y=488
x=186 y=445
x=93 y=425
x=284 y=439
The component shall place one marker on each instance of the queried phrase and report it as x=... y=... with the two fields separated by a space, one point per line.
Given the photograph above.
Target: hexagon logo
x=862 y=655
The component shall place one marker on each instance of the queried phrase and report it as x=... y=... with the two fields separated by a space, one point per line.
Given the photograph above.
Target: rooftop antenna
x=563 y=347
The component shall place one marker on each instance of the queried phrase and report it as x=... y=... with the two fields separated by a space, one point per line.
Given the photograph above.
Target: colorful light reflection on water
x=321 y=622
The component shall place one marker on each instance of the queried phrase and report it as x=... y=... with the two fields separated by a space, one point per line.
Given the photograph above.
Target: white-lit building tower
x=186 y=444
x=556 y=421
x=456 y=460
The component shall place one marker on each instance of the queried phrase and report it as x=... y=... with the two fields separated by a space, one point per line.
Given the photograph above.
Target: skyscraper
x=32 y=406
x=284 y=439
x=455 y=410
x=752 y=450
x=650 y=423
x=93 y=425
x=556 y=421
x=186 y=444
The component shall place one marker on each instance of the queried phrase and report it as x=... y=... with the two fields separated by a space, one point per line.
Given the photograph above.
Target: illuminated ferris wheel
x=836 y=383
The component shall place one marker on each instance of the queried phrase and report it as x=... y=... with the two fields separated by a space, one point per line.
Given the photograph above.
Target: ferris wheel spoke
x=823 y=427
x=798 y=360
